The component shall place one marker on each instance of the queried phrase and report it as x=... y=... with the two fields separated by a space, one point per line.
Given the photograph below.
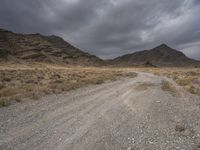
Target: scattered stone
x=150 y=142
x=129 y=148
x=180 y=127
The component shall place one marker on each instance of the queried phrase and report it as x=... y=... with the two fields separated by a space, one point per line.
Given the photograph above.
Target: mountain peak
x=162 y=55
x=163 y=46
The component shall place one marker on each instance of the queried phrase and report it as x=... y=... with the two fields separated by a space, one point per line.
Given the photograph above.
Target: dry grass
x=4 y=103
x=35 y=80
x=7 y=91
x=20 y=81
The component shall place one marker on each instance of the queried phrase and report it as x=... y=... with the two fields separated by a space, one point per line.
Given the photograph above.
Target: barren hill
x=39 y=48
x=162 y=55
x=22 y=48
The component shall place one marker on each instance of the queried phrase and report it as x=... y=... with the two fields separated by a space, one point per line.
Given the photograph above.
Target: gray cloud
x=109 y=28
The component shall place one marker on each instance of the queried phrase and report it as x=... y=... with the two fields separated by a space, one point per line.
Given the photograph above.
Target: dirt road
x=127 y=114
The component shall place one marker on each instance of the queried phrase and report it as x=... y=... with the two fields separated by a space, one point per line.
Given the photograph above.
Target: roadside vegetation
x=167 y=86
x=18 y=82
x=189 y=78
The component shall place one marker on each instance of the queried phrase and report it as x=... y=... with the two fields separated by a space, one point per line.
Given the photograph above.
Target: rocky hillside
x=39 y=48
x=23 y=48
x=162 y=55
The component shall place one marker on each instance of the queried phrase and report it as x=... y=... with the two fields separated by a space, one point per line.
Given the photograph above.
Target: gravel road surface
x=129 y=114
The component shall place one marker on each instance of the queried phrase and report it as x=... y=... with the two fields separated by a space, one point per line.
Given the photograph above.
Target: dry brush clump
x=144 y=86
x=169 y=87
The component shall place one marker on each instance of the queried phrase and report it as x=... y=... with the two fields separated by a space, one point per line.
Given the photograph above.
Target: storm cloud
x=109 y=28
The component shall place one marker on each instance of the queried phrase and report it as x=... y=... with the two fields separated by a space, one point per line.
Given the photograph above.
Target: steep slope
x=39 y=48
x=162 y=55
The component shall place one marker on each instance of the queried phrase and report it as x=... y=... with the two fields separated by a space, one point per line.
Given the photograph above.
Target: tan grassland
x=21 y=82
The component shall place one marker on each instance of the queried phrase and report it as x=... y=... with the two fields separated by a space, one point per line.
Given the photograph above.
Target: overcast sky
x=109 y=28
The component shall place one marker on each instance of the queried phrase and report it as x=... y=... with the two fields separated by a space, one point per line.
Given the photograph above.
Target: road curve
x=132 y=113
